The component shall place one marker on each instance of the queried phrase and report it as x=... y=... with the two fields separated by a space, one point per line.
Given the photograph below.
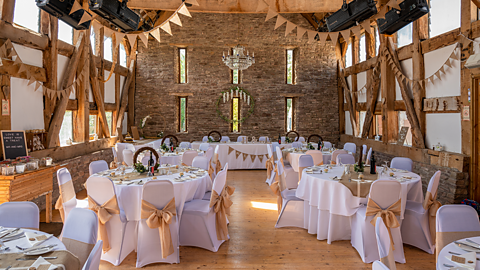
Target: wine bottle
x=319 y=147
x=373 y=169
x=279 y=139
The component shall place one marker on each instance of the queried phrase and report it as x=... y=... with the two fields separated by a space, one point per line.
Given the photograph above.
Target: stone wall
x=206 y=37
x=78 y=168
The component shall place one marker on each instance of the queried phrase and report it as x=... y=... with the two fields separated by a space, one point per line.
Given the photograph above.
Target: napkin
x=467 y=260
x=42 y=264
x=35 y=239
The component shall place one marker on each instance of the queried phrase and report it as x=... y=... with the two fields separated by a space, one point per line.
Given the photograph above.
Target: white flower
x=145 y=120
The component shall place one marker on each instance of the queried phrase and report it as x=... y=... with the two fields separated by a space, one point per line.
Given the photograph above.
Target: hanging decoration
x=232 y=92
x=246 y=155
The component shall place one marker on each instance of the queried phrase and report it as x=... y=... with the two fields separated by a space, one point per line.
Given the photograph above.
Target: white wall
x=61 y=68
x=450 y=83
x=348 y=124
x=361 y=82
x=109 y=88
x=26 y=105
x=29 y=56
x=445 y=128
x=124 y=124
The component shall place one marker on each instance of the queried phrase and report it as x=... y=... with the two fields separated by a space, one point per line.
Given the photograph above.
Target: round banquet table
x=171 y=158
x=454 y=248
x=23 y=242
x=293 y=157
x=130 y=196
x=329 y=205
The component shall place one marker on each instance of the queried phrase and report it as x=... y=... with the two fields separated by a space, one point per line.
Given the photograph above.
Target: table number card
x=458 y=259
x=402 y=135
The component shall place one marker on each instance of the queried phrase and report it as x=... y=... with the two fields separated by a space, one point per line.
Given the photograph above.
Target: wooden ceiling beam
x=242 y=6
x=309 y=18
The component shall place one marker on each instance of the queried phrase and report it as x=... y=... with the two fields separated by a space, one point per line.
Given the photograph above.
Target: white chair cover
x=209 y=153
x=327 y=145
x=80 y=233
x=19 y=215
x=351 y=147
x=297 y=145
x=263 y=139
x=274 y=149
x=225 y=139
x=128 y=157
x=200 y=162
x=149 y=249
x=156 y=144
x=384 y=193
x=119 y=147
x=204 y=146
x=316 y=155
x=301 y=139
x=114 y=152
x=270 y=180
x=197 y=226
x=364 y=150
x=291 y=177
x=402 y=163
x=384 y=246
x=121 y=233
x=303 y=162
x=185 y=145
x=188 y=157
x=369 y=154
x=282 y=139
x=93 y=261
x=205 y=138
x=336 y=153
x=345 y=159
x=416 y=223
x=97 y=166
x=455 y=222
x=378 y=265
x=292 y=213
x=66 y=188
x=241 y=138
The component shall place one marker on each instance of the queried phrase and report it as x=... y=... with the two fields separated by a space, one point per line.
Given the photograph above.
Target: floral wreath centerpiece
x=232 y=92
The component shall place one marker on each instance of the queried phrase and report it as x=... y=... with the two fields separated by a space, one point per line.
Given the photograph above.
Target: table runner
x=64 y=257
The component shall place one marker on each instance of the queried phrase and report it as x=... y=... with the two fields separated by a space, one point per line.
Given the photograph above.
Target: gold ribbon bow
x=276 y=190
x=218 y=166
x=210 y=170
x=59 y=207
x=431 y=204
x=104 y=213
x=269 y=165
x=221 y=205
x=388 y=215
x=160 y=219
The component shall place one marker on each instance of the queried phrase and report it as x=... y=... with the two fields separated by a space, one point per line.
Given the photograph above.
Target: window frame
x=294 y=75
x=95 y=125
x=180 y=66
x=293 y=114
x=179 y=111
x=239 y=108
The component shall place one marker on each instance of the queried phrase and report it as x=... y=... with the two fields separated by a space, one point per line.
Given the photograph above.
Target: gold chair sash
x=104 y=213
x=113 y=164
x=389 y=260
x=445 y=238
x=221 y=205
x=160 y=219
x=275 y=186
x=431 y=204
x=218 y=165
x=67 y=192
x=269 y=165
x=80 y=249
x=210 y=171
x=388 y=215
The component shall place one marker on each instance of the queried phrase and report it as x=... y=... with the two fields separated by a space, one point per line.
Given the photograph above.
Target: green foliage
x=288 y=140
x=310 y=146
x=140 y=168
x=241 y=120
x=289 y=66
x=165 y=148
x=183 y=77
x=357 y=168
x=210 y=140
x=183 y=109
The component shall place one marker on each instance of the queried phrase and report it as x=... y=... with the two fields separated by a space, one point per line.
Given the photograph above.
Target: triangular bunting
x=300 y=32
x=59 y=94
x=76 y=6
x=261 y=6
x=22 y=69
x=311 y=35
x=156 y=34
x=3 y=52
x=230 y=149
x=237 y=153
x=184 y=11
x=18 y=61
x=244 y=156
x=357 y=31
x=96 y=26
x=85 y=18
x=176 y=20
x=290 y=27
x=431 y=79
x=252 y=157
x=261 y=158
x=454 y=55
x=166 y=27
x=280 y=20
x=193 y=2
x=144 y=38
x=271 y=13
x=442 y=69
x=448 y=63
x=393 y=4
x=438 y=74
x=366 y=25
x=32 y=80
x=37 y=85
x=323 y=37
x=131 y=39
x=45 y=89
x=118 y=38
x=346 y=35
x=333 y=37
x=466 y=42
x=108 y=32
x=12 y=53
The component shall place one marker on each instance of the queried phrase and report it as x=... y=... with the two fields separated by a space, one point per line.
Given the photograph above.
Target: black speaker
x=356 y=11
x=60 y=9
x=410 y=10
x=117 y=13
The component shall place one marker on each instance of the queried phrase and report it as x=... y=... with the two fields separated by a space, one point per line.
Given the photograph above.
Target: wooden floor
x=256 y=244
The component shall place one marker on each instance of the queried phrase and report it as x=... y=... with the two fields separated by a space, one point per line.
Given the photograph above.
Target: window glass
x=377 y=40
x=123 y=55
x=65 y=32
x=348 y=56
x=66 y=131
x=235 y=114
x=183 y=65
x=444 y=16
x=27 y=14
x=107 y=49
x=92 y=40
x=363 y=49
x=378 y=125
x=289 y=66
x=183 y=114
x=109 y=115
x=403 y=122
x=404 y=35
x=235 y=76
x=92 y=124
x=289 y=122
x=362 y=120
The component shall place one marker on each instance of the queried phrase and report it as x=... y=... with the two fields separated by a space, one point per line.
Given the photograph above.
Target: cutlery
x=8 y=267
x=13 y=238
x=130 y=183
x=465 y=244
x=458 y=254
x=35 y=258
x=473 y=242
x=14 y=231
x=34 y=248
x=448 y=265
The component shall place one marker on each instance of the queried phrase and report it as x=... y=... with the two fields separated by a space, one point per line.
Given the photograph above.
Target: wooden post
x=7 y=8
x=99 y=100
x=6 y=122
x=124 y=99
x=81 y=115
x=370 y=50
x=100 y=47
x=355 y=60
x=131 y=96
x=389 y=116
x=340 y=65
x=466 y=77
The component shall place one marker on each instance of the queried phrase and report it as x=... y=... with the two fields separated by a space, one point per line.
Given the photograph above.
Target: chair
x=241 y=138
x=263 y=139
x=114 y=152
x=128 y=157
x=316 y=155
x=350 y=147
x=205 y=138
x=369 y=154
x=225 y=139
x=335 y=154
x=67 y=199
x=297 y=145
x=378 y=265
x=270 y=166
x=188 y=156
x=185 y=145
x=327 y=145
x=304 y=161
x=158 y=202
x=211 y=169
x=418 y=225
x=119 y=147
x=401 y=163
x=384 y=245
x=200 y=162
x=157 y=144
x=448 y=217
x=274 y=149
x=97 y=166
x=93 y=261
x=385 y=194
x=20 y=215
x=291 y=214
x=291 y=177
x=345 y=159
x=282 y=139
x=364 y=150
x=198 y=226
x=121 y=233
x=204 y=146
x=80 y=233
x=301 y=140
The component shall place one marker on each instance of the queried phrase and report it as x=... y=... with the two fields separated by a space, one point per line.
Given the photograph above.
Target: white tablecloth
x=130 y=196
x=452 y=247
x=329 y=205
x=23 y=242
x=293 y=158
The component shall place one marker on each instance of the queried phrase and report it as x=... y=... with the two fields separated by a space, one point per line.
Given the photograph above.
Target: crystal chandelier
x=238 y=60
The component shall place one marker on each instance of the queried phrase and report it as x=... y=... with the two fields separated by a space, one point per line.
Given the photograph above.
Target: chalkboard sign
x=14 y=144
x=402 y=135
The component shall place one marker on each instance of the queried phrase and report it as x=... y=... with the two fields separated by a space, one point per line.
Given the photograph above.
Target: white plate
x=39 y=251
